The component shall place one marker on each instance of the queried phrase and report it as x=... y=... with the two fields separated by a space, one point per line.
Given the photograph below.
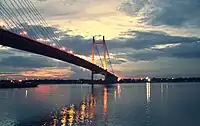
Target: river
x=167 y=104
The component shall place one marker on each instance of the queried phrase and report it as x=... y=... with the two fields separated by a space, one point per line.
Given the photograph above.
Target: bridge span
x=23 y=43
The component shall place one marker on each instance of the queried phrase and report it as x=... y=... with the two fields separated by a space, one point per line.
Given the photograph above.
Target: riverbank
x=17 y=84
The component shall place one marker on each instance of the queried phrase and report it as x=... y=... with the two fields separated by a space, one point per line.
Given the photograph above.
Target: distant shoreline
x=86 y=81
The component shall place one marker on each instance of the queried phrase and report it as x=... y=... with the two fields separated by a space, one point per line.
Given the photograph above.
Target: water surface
x=120 y=105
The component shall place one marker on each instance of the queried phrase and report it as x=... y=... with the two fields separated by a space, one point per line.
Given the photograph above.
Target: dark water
x=121 y=105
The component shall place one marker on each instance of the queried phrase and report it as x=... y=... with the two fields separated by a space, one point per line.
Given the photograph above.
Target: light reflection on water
x=120 y=105
x=80 y=114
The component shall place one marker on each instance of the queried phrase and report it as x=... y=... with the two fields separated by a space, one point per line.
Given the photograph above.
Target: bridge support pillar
x=110 y=79
x=92 y=75
x=92 y=79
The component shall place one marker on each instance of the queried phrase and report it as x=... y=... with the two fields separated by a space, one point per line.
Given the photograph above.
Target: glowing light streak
x=148 y=92
x=115 y=94
x=119 y=91
x=26 y=93
x=105 y=100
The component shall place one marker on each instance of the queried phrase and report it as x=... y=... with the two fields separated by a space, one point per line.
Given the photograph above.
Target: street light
x=70 y=51
x=54 y=44
x=63 y=48
x=23 y=33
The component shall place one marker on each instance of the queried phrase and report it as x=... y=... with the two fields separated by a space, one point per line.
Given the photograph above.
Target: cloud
x=150 y=45
x=47 y=72
x=148 y=39
x=179 y=13
x=145 y=55
x=182 y=51
x=161 y=67
x=78 y=44
x=25 y=62
x=186 y=50
x=143 y=9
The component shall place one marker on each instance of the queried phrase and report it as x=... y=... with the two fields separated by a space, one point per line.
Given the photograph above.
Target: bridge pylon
x=108 y=77
x=101 y=43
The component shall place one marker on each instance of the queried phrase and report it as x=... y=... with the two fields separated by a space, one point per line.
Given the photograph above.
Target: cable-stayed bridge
x=23 y=28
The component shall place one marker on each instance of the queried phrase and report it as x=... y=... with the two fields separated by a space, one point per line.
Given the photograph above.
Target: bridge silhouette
x=20 y=40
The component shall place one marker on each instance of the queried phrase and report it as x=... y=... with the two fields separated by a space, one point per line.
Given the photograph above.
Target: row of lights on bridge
x=24 y=33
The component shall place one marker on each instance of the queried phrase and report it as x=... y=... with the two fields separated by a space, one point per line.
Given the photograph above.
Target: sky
x=156 y=38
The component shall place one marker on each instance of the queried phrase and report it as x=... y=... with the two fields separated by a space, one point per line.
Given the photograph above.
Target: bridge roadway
x=23 y=43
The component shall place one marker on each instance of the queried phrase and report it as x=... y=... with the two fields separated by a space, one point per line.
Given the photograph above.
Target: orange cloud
x=63 y=72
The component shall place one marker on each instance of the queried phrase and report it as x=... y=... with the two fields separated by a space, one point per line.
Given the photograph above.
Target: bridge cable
x=40 y=16
x=28 y=17
x=109 y=58
x=9 y=13
x=99 y=55
x=19 y=14
x=4 y=18
x=38 y=20
x=11 y=22
x=42 y=20
x=16 y=17
x=22 y=14
x=8 y=22
x=34 y=21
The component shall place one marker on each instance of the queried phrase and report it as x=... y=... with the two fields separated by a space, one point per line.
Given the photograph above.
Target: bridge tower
x=108 y=78
x=102 y=43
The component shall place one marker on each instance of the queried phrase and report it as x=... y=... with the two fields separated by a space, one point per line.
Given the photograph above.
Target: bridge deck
x=22 y=43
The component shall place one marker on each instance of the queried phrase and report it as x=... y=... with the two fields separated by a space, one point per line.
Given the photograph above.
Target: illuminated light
x=63 y=48
x=77 y=117
x=40 y=39
x=26 y=93
x=148 y=79
x=105 y=100
x=48 y=40
x=92 y=107
x=148 y=91
x=24 y=33
x=71 y=113
x=161 y=88
x=115 y=94
x=119 y=79
x=54 y=44
x=70 y=51
x=63 y=121
x=119 y=90
x=2 y=24
x=20 y=80
x=64 y=116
